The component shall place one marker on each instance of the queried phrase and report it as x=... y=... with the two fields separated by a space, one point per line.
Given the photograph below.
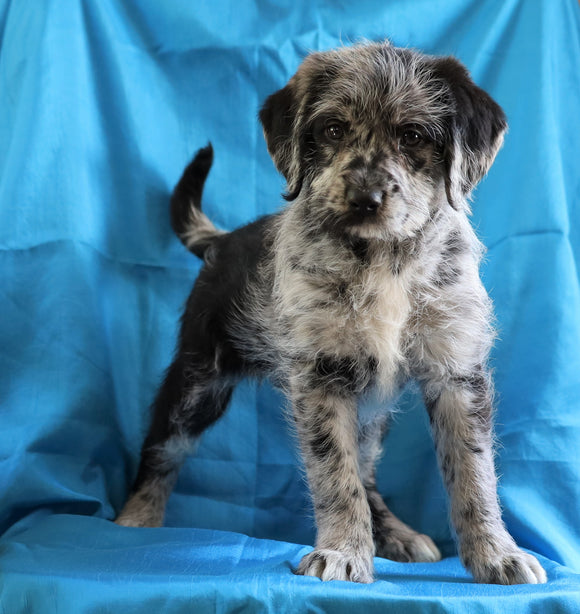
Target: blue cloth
x=102 y=103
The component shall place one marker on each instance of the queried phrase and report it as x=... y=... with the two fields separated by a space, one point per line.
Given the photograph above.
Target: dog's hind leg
x=393 y=538
x=188 y=402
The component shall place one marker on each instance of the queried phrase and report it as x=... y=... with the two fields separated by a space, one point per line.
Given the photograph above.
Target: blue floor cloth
x=102 y=103
x=78 y=564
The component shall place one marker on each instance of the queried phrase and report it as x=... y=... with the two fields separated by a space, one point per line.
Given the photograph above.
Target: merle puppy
x=367 y=279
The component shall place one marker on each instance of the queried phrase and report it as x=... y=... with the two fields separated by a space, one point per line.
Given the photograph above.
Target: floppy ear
x=278 y=117
x=476 y=131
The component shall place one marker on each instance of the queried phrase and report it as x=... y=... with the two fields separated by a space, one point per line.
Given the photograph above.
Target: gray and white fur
x=367 y=279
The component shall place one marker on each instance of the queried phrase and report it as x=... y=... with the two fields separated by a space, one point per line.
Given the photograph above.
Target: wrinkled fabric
x=102 y=103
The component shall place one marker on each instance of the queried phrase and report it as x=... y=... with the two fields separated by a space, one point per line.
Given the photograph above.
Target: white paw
x=515 y=567
x=335 y=565
x=139 y=512
x=124 y=520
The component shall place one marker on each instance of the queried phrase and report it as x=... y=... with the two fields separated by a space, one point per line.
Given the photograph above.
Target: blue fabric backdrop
x=102 y=103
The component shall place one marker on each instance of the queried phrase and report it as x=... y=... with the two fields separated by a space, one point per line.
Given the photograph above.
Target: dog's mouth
x=365 y=217
x=365 y=226
x=382 y=224
x=363 y=214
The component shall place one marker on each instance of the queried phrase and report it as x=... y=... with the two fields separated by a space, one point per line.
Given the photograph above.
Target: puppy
x=369 y=278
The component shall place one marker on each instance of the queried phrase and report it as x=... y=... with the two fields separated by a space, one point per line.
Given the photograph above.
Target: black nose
x=365 y=202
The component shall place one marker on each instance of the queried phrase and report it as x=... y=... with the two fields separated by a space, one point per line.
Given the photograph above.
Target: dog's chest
x=360 y=316
x=374 y=318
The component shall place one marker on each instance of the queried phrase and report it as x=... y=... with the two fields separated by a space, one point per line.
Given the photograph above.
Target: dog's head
x=377 y=137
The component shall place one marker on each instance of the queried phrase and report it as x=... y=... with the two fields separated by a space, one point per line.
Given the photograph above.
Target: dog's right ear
x=278 y=117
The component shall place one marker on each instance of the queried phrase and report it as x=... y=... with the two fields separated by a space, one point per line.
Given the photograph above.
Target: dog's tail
x=190 y=224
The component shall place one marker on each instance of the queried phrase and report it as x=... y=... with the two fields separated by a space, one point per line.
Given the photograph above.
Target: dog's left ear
x=278 y=116
x=476 y=131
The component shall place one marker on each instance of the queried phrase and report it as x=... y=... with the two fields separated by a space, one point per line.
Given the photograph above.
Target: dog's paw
x=138 y=512
x=515 y=567
x=335 y=565
x=407 y=546
x=125 y=520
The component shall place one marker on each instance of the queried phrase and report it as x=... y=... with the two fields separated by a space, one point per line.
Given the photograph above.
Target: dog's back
x=217 y=317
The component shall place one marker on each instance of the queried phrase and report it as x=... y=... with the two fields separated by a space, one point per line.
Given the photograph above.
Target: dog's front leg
x=460 y=415
x=327 y=428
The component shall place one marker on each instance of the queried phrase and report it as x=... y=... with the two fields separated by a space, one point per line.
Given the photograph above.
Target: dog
x=367 y=279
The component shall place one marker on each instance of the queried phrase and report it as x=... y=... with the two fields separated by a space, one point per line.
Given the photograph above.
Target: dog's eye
x=334 y=131
x=411 y=138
